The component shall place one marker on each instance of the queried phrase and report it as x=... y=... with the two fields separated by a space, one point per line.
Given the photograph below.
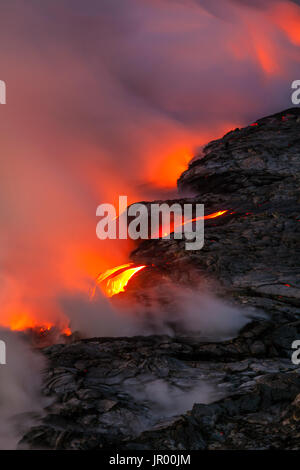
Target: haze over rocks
x=183 y=391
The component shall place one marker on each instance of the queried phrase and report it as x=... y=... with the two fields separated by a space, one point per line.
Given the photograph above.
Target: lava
x=110 y=272
x=116 y=279
x=23 y=324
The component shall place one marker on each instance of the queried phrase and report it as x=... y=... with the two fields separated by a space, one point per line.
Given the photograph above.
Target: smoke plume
x=167 y=310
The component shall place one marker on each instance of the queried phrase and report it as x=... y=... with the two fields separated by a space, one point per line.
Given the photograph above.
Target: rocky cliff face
x=252 y=251
x=181 y=392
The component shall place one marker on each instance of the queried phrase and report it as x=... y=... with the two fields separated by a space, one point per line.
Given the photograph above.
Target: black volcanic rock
x=129 y=393
x=253 y=251
x=180 y=392
x=247 y=160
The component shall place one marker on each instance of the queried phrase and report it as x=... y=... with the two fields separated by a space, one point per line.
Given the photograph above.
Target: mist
x=166 y=310
x=192 y=312
x=115 y=97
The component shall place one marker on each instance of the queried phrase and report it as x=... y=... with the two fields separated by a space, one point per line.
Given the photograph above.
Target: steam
x=113 y=97
x=166 y=400
x=163 y=310
x=20 y=385
x=192 y=312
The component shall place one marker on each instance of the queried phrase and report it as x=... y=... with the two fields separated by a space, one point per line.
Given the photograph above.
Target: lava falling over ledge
x=115 y=280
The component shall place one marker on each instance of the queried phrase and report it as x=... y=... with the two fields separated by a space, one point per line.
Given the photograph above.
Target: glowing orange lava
x=116 y=279
x=164 y=232
x=22 y=322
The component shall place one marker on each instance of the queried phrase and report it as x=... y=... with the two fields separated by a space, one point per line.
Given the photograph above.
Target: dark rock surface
x=181 y=392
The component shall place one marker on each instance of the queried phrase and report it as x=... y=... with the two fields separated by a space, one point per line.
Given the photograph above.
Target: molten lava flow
x=22 y=322
x=119 y=282
x=116 y=279
x=165 y=231
x=213 y=215
x=111 y=271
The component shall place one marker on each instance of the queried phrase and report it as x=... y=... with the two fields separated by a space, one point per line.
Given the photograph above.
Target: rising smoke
x=112 y=97
x=20 y=389
x=164 y=310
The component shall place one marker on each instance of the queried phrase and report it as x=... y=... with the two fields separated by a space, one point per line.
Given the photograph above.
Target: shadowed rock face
x=243 y=393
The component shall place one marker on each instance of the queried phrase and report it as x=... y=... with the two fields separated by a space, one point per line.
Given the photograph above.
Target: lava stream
x=164 y=232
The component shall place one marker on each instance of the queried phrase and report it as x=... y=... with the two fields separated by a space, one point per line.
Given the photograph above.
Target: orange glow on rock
x=23 y=322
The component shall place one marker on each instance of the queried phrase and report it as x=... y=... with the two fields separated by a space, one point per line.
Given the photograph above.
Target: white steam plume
x=20 y=385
